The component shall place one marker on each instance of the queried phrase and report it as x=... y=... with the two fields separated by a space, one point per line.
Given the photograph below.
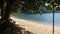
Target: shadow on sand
x=9 y=27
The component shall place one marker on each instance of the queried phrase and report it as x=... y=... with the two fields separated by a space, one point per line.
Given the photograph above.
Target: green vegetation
x=15 y=6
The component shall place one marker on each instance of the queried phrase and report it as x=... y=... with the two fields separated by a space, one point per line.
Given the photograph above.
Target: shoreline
x=34 y=27
x=37 y=21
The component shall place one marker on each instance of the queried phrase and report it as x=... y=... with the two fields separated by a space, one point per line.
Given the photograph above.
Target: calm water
x=48 y=17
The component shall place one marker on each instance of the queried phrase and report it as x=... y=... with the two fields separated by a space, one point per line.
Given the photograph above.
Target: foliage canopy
x=33 y=5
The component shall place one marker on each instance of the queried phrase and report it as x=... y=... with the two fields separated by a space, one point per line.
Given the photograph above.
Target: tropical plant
x=13 y=6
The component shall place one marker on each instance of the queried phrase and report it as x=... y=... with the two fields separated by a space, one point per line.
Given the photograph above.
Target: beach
x=34 y=27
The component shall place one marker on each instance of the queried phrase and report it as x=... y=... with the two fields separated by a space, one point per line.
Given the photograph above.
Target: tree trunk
x=5 y=15
x=2 y=9
x=9 y=8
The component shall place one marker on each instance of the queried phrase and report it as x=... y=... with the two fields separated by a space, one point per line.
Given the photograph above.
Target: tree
x=5 y=23
x=10 y=6
x=50 y=4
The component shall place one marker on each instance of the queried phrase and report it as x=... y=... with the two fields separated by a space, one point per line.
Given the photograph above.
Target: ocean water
x=38 y=17
x=47 y=17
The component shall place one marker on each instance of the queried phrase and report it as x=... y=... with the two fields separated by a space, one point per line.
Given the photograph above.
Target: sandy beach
x=34 y=27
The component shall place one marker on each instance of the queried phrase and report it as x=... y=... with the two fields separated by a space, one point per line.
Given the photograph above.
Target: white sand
x=36 y=28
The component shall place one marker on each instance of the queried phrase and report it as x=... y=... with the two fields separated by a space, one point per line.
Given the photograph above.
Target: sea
x=46 y=18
